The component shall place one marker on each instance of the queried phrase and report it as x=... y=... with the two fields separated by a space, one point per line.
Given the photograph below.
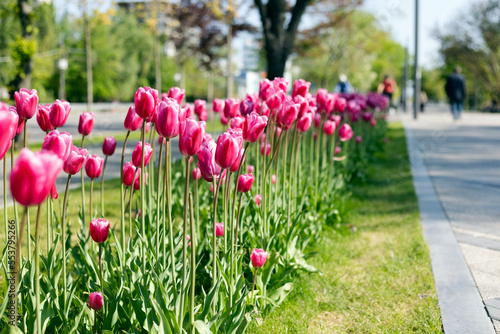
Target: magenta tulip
x=217 y=105
x=177 y=94
x=250 y=168
x=236 y=164
x=75 y=160
x=258 y=257
x=191 y=135
x=245 y=183
x=228 y=148
x=132 y=120
x=231 y=108
x=345 y=132
x=137 y=179
x=281 y=83
x=275 y=98
x=304 y=123
x=53 y=192
x=58 y=143
x=26 y=102
x=338 y=150
x=340 y=105
x=207 y=137
x=200 y=107
x=86 y=123
x=329 y=127
x=300 y=87
x=8 y=127
x=336 y=119
x=93 y=166
x=219 y=229
x=99 y=230
x=258 y=198
x=196 y=174
x=287 y=115
x=253 y=127
x=358 y=139
x=206 y=161
x=145 y=100
x=59 y=113
x=273 y=179
x=264 y=85
x=137 y=154
x=266 y=147
x=246 y=107
x=33 y=176
x=237 y=122
x=43 y=118
x=321 y=98
x=373 y=122
x=95 y=301
x=109 y=145
x=129 y=171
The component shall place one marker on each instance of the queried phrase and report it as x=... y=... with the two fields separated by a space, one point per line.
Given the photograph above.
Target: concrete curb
x=462 y=309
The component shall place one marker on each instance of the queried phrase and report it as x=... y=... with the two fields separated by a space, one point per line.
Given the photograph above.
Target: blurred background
x=101 y=51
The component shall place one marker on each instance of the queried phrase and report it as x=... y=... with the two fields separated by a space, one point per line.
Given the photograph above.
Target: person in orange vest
x=387 y=88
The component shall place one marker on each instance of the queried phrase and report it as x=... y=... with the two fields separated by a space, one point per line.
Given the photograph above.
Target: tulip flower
x=191 y=135
x=367 y=116
x=275 y=98
x=196 y=174
x=237 y=122
x=33 y=176
x=321 y=98
x=358 y=139
x=246 y=107
x=207 y=137
x=228 y=148
x=53 y=192
x=340 y=105
x=219 y=229
x=206 y=161
x=273 y=179
x=95 y=301
x=253 y=127
x=258 y=198
x=329 y=127
x=300 y=87
x=264 y=110
x=303 y=105
x=336 y=119
x=59 y=112
x=26 y=102
x=129 y=171
x=287 y=115
x=231 y=108
x=145 y=100
x=223 y=119
x=93 y=166
x=137 y=154
x=99 y=230
x=132 y=120
x=43 y=118
x=345 y=132
x=236 y=164
x=200 y=107
x=250 y=169
x=58 y=143
x=75 y=160
x=258 y=257
x=137 y=179
x=86 y=123
x=267 y=147
x=338 y=150
x=177 y=94
x=245 y=183
x=264 y=85
x=109 y=145
x=281 y=83
x=217 y=105
x=373 y=122
x=8 y=127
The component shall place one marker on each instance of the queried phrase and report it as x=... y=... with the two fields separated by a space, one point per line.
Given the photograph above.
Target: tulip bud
x=245 y=183
x=337 y=150
x=340 y=105
x=137 y=154
x=250 y=169
x=336 y=119
x=237 y=122
x=246 y=107
x=329 y=127
x=228 y=148
x=358 y=139
x=236 y=164
x=267 y=147
x=86 y=123
x=145 y=100
x=273 y=179
x=59 y=113
x=321 y=98
x=287 y=115
x=223 y=119
x=75 y=160
x=217 y=105
x=196 y=174
x=219 y=229
x=345 y=132
x=177 y=94
x=99 y=230
x=367 y=116
x=231 y=108
x=129 y=171
x=281 y=83
x=26 y=102
x=8 y=126
x=109 y=146
x=264 y=85
x=300 y=87
x=200 y=109
x=258 y=198
x=137 y=179
x=191 y=136
x=258 y=257
x=253 y=127
x=373 y=122
x=132 y=120
x=43 y=118
x=33 y=176
x=58 y=143
x=275 y=98
x=206 y=161
x=95 y=301
x=93 y=166
x=304 y=123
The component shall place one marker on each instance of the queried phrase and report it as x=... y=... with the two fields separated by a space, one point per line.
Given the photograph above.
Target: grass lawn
x=377 y=279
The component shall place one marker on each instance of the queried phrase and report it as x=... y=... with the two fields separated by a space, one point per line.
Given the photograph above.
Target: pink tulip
x=33 y=176
x=337 y=150
x=211 y=188
x=275 y=98
x=200 y=108
x=228 y=148
x=86 y=123
x=109 y=145
x=43 y=118
x=219 y=229
x=358 y=139
x=258 y=257
x=20 y=123
x=53 y=192
x=287 y=115
x=329 y=127
x=217 y=105
x=167 y=124
x=59 y=113
x=196 y=174
x=267 y=147
x=191 y=135
x=236 y=164
x=250 y=168
x=75 y=160
x=300 y=87
x=345 y=132
x=93 y=166
x=132 y=120
x=264 y=110
x=237 y=122
x=373 y=122
x=8 y=127
x=231 y=108
x=253 y=127
x=336 y=119
x=264 y=85
x=145 y=100
x=245 y=183
x=95 y=301
x=207 y=137
x=317 y=119
x=258 y=198
x=58 y=143
x=273 y=179
x=321 y=98
x=246 y=107
x=340 y=105
x=303 y=105
x=129 y=171
x=177 y=94
x=281 y=83
x=26 y=102
x=137 y=154
x=137 y=179
x=367 y=116
x=186 y=112
x=99 y=230
x=223 y=119
x=304 y=123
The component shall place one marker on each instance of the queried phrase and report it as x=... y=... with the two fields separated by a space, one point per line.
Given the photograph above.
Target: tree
x=280 y=24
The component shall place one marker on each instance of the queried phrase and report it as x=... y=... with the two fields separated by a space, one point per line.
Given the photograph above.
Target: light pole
x=416 y=71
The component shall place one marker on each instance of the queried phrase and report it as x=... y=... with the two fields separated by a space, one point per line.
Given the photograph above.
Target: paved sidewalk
x=463 y=162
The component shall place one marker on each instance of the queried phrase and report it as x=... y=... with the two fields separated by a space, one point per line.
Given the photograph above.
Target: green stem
x=13 y=200
x=184 y=241
x=6 y=221
x=193 y=261
x=63 y=240
x=238 y=220
x=253 y=285
x=102 y=186
x=143 y=213
x=17 y=262
x=122 y=203
x=158 y=193
x=83 y=193
x=169 y=214
x=130 y=211
x=37 y=271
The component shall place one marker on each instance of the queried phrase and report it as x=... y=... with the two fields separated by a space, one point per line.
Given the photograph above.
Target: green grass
x=377 y=279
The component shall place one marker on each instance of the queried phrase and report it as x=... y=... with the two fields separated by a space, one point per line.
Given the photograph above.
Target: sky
x=398 y=16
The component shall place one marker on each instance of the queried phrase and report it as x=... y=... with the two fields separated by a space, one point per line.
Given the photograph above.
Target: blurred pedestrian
x=423 y=100
x=456 y=91
x=387 y=88
x=343 y=86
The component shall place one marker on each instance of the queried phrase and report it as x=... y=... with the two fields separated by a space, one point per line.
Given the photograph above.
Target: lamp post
x=416 y=70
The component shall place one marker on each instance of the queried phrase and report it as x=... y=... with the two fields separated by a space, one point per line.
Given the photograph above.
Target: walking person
x=387 y=88
x=456 y=91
